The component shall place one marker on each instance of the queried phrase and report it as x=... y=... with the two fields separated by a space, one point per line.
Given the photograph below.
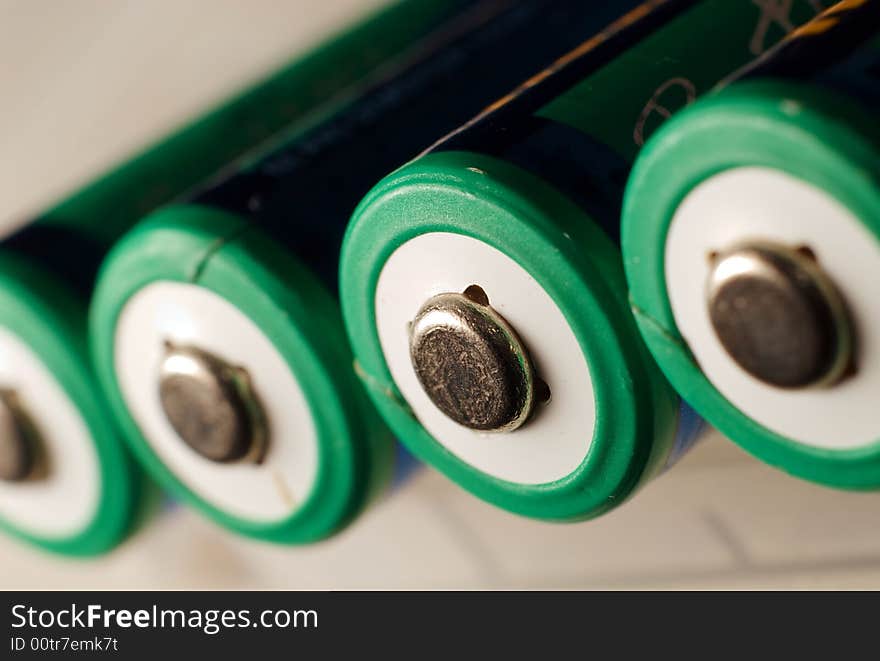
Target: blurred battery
x=751 y=232
x=483 y=286
x=66 y=481
x=242 y=279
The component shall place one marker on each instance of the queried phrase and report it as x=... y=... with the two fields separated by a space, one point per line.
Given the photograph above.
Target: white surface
x=64 y=501
x=750 y=203
x=719 y=519
x=556 y=440
x=187 y=314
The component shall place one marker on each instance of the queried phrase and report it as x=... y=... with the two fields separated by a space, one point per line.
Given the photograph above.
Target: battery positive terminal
x=779 y=316
x=472 y=364
x=212 y=405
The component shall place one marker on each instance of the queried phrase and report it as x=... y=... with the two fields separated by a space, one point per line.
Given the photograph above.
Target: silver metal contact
x=779 y=315
x=471 y=363
x=20 y=447
x=212 y=405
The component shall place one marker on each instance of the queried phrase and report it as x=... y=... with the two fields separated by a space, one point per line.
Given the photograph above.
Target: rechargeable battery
x=226 y=304
x=482 y=284
x=751 y=233
x=66 y=482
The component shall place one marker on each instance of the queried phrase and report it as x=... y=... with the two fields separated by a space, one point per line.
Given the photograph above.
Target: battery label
x=839 y=50
x=858 y=75
x=564 y=125
x=666 y=54
x=405 y=466
x=303 y=191
x=688 y=433
x=73 y=256
x=576 y=164
x=673 y=66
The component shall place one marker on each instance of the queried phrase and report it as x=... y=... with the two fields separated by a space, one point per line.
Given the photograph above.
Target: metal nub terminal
x=471 y=363
x=212 y=405
x=779 y=315
x=19 y=441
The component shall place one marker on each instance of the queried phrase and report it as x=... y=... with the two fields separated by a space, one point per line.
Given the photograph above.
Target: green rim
x=51 y=319
x=297 y=314
x=580 y=269
x=806 y=132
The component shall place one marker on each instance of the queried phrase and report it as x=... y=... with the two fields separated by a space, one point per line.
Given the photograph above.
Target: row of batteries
x=595 y=212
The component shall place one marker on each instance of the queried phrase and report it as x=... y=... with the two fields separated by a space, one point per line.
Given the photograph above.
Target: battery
x=66 y=482
x=244 y=274
x=483 y=286
x=750 y=233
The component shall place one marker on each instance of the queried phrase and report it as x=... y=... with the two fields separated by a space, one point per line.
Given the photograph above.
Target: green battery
x=483 y=286
x=216 y=328
x=751 y=232
x=67 y=483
